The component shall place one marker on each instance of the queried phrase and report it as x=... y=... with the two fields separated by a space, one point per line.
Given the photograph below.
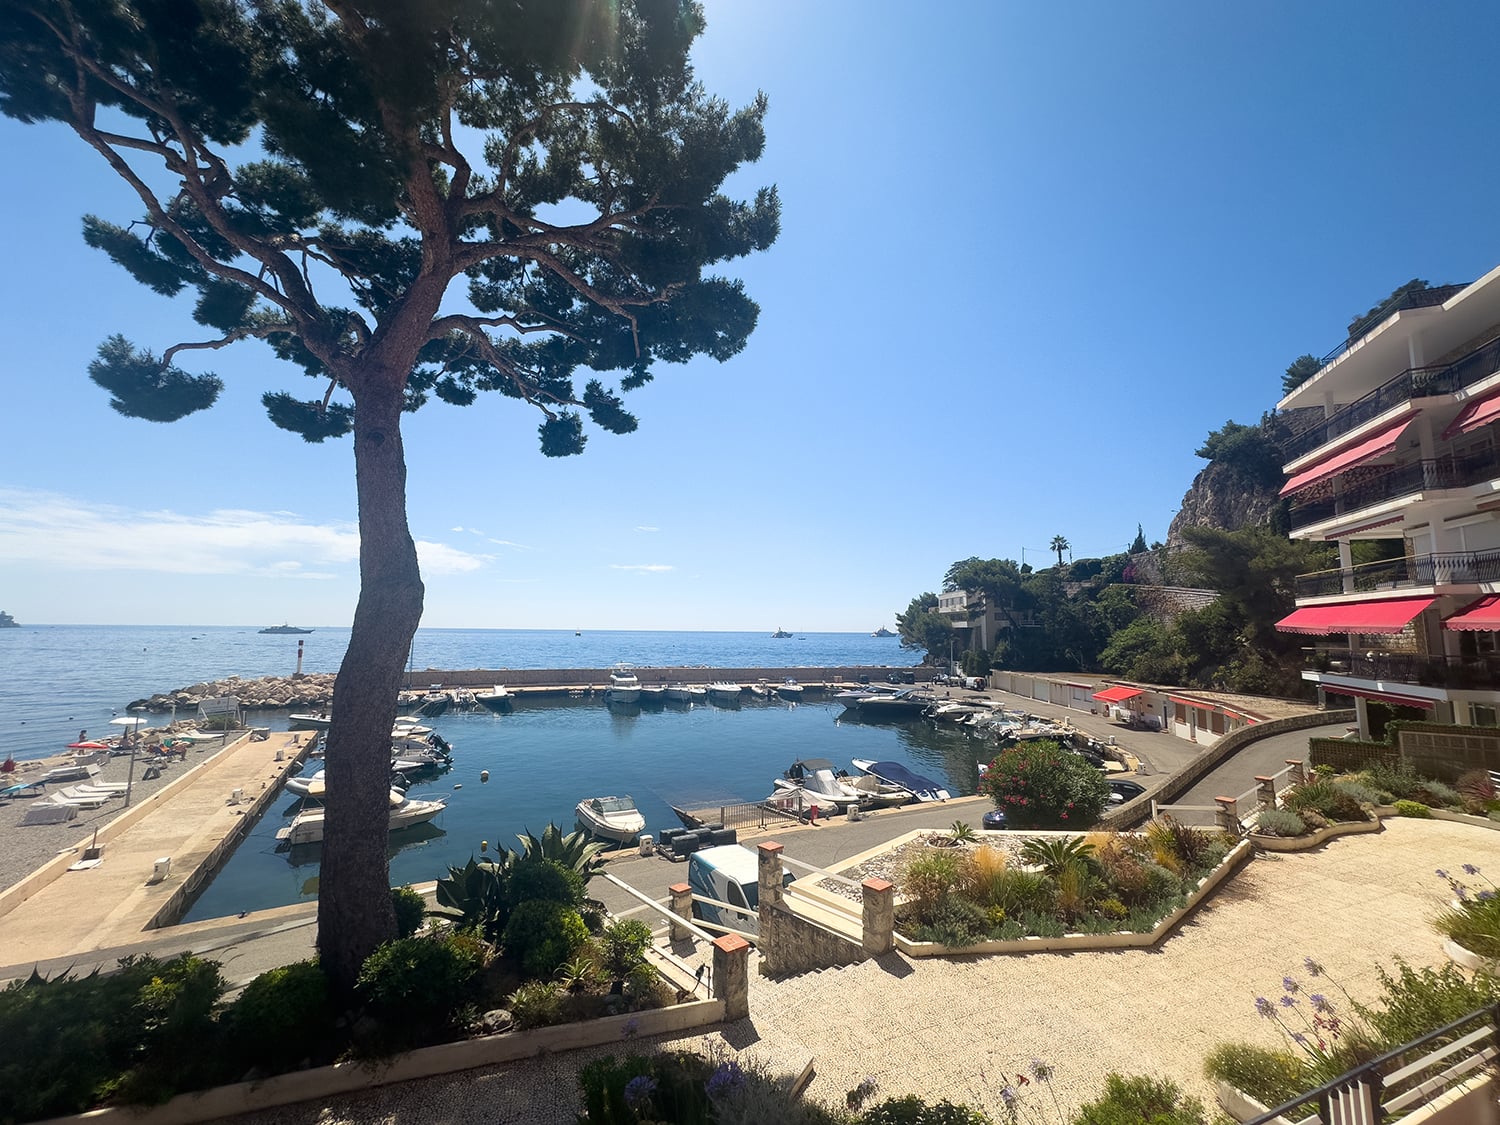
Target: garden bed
x=1314 y=839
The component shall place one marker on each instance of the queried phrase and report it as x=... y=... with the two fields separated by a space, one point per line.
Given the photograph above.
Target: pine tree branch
x=258 y=332
x=475 y=325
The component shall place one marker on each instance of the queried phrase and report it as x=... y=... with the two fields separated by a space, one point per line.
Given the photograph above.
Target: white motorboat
x=818 y=777
x=495 y=699
x=405 y=812
x=697 y=693
x=322 y=720
x=791 y=691
x=724 y=691
x=922 y=788
x=891 y=706
x=653 y=695
x=760 y=690
x=624 y=685
x=679 y=693
x=614 y=818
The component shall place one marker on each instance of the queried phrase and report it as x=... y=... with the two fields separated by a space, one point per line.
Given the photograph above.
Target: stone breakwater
x=269 y=693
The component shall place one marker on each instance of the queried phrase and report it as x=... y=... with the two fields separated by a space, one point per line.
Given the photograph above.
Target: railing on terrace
x=1414 y=382
x=1404 y=480
x=1416 y=299
x=1413 y=1075
x=1448 y=568
x=1240 y=811
x=1454 y=672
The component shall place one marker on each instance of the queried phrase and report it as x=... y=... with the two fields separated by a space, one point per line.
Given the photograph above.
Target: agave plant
x=576 y=975
x=962 y=832
x=574 y=851
x=475 y=895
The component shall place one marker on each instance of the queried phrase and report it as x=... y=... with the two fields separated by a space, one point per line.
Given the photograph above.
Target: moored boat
x=791 y=690
x=819 y=779
x=614 y=818
x=723 y=691
x=624 y=685
x=653 y=695
x=496 y=699
x=405 y=812
x=921 y=787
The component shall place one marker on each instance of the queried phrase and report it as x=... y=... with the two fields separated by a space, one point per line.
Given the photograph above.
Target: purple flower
x=1008 y=1096
x=727 y=1079
x=1289 y=984
x=1288 y=1001
x=1470 y=869
x=638 y=1090
x=1313 y=968
x=1264 y=1007
x=1298 y=1038
x=1320 y=1003
x=1461 y=891
x=1441 y=874
x=1040 y=1071
x=631 y=1029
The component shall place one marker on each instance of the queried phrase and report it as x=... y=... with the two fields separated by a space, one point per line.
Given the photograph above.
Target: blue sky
x=1031 y=255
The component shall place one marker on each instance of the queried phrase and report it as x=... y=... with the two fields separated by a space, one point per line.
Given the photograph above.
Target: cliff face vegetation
x=1226 y=498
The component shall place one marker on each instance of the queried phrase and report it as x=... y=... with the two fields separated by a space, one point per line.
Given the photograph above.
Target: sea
x=542 y=758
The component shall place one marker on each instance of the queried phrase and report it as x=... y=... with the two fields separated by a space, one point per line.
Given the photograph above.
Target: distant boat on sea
x=780 y=634
x=7 y=621
x=882 y=632
x=285 y=629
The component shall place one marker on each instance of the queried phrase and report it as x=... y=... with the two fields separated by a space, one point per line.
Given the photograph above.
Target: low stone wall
x=651 y=674
x=1210 y=759
x=792 y=944
x=1314 y=839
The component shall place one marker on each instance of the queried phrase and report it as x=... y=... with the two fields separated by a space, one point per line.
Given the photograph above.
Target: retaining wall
x=651 y=674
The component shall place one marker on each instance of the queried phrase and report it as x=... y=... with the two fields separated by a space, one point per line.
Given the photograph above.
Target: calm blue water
x=543 y=758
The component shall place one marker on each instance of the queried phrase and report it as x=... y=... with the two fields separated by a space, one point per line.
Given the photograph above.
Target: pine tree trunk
x=354 y=903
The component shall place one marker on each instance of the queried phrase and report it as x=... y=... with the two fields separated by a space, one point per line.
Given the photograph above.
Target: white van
x=730 y=874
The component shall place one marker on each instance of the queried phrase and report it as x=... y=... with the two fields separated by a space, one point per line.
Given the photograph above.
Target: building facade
x=1397 y=448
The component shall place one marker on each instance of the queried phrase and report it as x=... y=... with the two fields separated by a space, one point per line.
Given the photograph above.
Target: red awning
x=1192 y=702
x=1482 y=616
x=1389 y=616
x=1382 y=441
x=1480 y=412
x=1117 y=694
x=1382 y=696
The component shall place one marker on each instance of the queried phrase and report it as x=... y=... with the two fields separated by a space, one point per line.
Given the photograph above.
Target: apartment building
x=1401 y=448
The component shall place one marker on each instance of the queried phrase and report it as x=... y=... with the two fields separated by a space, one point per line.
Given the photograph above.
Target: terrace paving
x=962 y=1028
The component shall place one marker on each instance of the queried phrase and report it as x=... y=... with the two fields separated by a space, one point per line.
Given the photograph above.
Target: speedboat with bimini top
x=624 y=685
x=405 y=812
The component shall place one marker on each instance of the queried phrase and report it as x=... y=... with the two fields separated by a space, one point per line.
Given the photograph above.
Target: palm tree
x=1059 y=544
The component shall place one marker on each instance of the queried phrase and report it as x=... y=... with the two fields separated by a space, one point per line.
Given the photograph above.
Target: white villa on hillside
x=1404 y=451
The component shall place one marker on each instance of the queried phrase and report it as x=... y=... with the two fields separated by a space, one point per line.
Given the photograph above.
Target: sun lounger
x=92 y=792
x=95 y=802
x=47 y=812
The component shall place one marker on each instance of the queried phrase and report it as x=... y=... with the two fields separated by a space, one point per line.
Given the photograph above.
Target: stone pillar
x=732 y=975
x=770 y=875
x=1267 y=794
x=1229 y=814
x=682 y=906
x=879 y=916
x=1299 y=771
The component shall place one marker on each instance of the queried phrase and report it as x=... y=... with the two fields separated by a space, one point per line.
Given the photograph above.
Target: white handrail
x=651 y=902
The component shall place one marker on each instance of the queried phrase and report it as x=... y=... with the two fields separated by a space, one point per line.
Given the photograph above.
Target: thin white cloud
x=644 y=527
x=42 y=528
x=507 y=543
x=654 y=568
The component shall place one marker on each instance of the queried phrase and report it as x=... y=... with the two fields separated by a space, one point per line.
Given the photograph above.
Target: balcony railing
x=1445 y=569
x=1416 y=299
x=1403 y=480
x=1400 y=1081
x=1457 y=673
x=1414 y=382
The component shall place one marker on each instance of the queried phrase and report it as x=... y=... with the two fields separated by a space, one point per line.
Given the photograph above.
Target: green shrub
x=1438 y=795
x=541 y=935
x=1161 y=884
x=1113 y=908
x=547 y=880
x=912 y=1110
x=1041 y=784
x=1055 y=854
x=1362 y=793
x=476 y=895
x=928 y=879
x=417 y=987
x=1400 y=783
x=955 y=922
x=1414 y=1002
x=283 y=1017
x=536 y=1003
x=1271 y=1076
x=1414 y=809
x=410 y=908
x=1324 y=797
x=1141 y=1100
x=1476 y=790
x=1279 y=822
x=622 y=947
x=1022 y=892
x=1191 y=847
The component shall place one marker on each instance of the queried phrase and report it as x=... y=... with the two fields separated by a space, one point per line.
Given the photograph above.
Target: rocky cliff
x=1224 y=497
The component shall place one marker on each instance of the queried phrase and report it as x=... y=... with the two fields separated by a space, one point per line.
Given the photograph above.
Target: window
x=1481 y=715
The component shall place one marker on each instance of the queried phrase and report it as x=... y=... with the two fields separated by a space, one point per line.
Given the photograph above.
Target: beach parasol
x=130 y=723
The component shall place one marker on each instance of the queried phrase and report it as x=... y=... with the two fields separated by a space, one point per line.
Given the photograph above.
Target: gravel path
x=962 y=1028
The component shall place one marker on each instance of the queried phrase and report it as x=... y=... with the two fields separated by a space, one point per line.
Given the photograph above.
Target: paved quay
x=57 y=914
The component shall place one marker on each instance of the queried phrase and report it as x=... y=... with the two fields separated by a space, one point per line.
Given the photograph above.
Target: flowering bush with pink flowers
x=1042 y=784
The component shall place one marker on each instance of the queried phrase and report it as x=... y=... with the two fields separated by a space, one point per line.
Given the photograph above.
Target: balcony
x=1456 y=673
x=1447 y=569
x=1414 y=382
x=1403 y=480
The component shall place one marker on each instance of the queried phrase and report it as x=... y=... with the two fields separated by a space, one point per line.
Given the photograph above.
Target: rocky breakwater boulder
x=269 y=693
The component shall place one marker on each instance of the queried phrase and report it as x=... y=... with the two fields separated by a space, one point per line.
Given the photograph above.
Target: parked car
x=993 y=821
x=1121 y=791
x=902 y=678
